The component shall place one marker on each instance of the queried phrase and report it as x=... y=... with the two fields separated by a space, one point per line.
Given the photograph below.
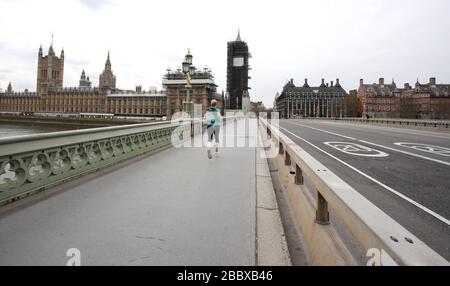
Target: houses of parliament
x=51 y=97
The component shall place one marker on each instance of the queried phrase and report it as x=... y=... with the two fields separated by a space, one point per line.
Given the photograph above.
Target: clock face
x=238 y=62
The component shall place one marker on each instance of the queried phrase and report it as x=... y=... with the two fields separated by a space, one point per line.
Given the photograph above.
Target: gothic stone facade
x=52 y=97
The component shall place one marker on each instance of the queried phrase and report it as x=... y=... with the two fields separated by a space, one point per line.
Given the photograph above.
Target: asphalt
x=422 y=179
x=175 y=207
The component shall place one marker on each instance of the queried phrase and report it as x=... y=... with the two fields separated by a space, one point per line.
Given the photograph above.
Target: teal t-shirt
x=213 y=116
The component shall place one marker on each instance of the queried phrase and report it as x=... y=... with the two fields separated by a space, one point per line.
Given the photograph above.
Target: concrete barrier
x=369 y=225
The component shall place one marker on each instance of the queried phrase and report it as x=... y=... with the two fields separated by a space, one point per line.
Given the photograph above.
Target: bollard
x=292 y=167
x=287 y=159
x=322 y=214
x=298 y=175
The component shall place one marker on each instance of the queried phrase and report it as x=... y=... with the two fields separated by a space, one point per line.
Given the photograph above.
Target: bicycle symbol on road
x=426 y=148
x=356 y=149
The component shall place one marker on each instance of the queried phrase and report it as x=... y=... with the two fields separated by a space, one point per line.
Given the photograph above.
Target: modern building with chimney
x=325 y=100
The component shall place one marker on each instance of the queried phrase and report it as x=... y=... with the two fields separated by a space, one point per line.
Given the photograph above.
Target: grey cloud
x=19 y=53
x=80 y=63
x=95 y=5
x=5 y=71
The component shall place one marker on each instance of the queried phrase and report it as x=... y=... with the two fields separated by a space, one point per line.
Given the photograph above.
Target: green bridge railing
x=29 y=164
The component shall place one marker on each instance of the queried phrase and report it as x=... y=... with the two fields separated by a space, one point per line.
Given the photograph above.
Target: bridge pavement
x=175 y=207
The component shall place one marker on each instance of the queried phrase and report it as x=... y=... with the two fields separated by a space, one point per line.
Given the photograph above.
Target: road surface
x=404 y=172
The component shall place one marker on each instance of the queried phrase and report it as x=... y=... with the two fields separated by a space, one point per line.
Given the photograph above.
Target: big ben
x=237 y=73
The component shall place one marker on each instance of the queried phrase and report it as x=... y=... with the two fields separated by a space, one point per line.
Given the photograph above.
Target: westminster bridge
x=147 y=194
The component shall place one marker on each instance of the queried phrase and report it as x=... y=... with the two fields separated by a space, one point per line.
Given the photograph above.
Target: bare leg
x=210 y=130
x=216 y=135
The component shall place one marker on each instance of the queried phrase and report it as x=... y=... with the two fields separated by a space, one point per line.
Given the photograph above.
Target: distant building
x=379 y=100
x=427 y=101
x=354 y=106
x=326 y=100
x=274 y=108
x=107 y=79
x=237 y=74
x=85 y=83
x=9 y=88
x=50 y=73
x=202 y=90
x=52 y=97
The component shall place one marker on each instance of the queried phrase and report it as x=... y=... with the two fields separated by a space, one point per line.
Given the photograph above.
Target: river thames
x=9 y=129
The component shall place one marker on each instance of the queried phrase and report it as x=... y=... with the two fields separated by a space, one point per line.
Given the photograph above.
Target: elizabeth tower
x=237 y=72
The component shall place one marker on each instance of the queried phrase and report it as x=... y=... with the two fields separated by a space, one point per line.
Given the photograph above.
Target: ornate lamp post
x=188 y=70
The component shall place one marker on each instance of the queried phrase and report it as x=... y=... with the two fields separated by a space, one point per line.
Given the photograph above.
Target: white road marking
x=351 y=125
x=378 y=145
x=438 y=150
x=407 y=153
x=356 y=149
x=425 y=209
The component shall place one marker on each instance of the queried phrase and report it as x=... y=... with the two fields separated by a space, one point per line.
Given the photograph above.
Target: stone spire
x=85 y=83
x=108 y=63
x=238 y=39
x=50 y=50
x=107 y=78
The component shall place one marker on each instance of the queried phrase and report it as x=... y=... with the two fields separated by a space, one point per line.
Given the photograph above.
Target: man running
x=213 y=119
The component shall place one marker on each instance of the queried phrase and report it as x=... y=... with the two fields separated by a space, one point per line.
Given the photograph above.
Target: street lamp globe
x=189 y=57
x=185 y=67
x=191 y=70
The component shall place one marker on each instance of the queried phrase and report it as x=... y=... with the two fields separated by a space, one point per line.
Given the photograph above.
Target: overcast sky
x=346 y=39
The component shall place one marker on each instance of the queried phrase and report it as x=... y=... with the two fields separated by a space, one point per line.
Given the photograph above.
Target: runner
x=213 y=119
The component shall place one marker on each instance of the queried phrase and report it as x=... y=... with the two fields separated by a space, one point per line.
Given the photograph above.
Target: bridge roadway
x=410 y=185
x=175 y=207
